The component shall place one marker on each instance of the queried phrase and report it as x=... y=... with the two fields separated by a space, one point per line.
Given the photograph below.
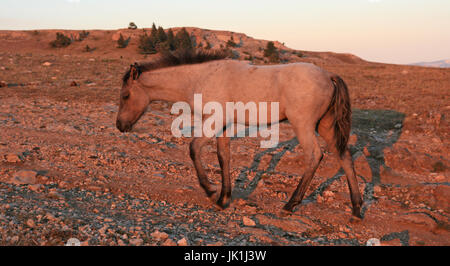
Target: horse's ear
x=134 y=72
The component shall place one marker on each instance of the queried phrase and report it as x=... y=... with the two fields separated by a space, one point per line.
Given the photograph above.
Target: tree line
x=159 y=40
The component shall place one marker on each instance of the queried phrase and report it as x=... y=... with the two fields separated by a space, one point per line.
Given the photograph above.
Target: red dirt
x=107 y=188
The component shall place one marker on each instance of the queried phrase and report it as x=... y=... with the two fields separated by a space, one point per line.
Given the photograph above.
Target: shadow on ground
x=375 y=129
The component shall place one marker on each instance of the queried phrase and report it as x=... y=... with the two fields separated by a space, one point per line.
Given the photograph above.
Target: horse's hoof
x=288 y=207
x=224 y=202
x=355 y=220
x=284 y=213
x=357 y=213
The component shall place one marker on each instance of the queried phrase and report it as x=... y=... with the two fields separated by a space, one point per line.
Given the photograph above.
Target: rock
x=377 y=189
x=169 y=242
x=35 y=187
x=373 y=242
x=319 y=199
x=115 y=37
x=3 y=84
x=159 y=236
x=102 y=230
x=50 y=217
x=248 y=222
x=63 y=184
x=12 y=158
x=366 y=151
x=55 y=195
x=442 y=196
x=328 y=194
x=182 y=242
x=24 y=177
x=136 y=242
x=439 y=178
x=47 y=64
x=30 y=223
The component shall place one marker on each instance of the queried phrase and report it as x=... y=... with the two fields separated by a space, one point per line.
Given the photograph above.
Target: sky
x=389 y=31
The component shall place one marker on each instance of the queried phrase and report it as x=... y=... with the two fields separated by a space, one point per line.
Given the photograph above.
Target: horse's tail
x=341 y=112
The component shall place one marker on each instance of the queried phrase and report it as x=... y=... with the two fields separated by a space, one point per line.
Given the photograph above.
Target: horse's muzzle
x=123 y=127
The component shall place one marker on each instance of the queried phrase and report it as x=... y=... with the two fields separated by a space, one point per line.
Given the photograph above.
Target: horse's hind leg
x=308 y=140
x=326 y=130
x=195 y=153
x=223 y=154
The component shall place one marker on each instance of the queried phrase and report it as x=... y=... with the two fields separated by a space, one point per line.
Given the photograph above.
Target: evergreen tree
x=121 y=42
x=271 y=52
x=162 y=37
x=171 y=40
x=183 y=40
x=146 y=44
x=154 y=34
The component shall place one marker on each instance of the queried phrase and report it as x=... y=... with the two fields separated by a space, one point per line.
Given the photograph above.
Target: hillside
x=104 y=43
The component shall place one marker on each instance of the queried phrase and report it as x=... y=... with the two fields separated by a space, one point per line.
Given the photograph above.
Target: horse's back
x=233 y=80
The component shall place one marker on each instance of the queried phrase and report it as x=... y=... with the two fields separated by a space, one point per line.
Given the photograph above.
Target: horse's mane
x=177 y=58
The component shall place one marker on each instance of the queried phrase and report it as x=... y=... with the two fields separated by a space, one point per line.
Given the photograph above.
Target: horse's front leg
x=195 y=151
x=223 y=153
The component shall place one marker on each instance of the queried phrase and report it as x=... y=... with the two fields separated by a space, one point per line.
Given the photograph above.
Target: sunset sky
x=391 y=31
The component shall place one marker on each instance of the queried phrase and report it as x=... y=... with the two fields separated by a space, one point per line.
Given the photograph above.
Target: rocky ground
x=66 y=171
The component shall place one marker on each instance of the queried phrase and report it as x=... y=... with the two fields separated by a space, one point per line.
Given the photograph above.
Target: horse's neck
x=171 y=84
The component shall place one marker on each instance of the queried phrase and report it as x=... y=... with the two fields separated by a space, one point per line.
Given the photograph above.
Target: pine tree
x=271 y=52
x=183 y=40
x=171 y=40
x=154 y=34
x=162 y=36
x=146 y=44
x=121 y=42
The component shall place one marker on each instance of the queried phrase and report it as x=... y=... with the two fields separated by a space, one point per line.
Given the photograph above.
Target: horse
x=310 y=98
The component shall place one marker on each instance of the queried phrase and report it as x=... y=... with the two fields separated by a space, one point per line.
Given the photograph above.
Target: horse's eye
x=126 y=96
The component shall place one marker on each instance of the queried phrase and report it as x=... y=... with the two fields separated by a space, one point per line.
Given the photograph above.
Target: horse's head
x=133 y=100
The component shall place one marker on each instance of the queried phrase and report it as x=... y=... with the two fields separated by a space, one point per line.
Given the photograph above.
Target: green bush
x=61 y=41
x=122 y=42
x=271 y=52
x=83 y=35
x=231 y=43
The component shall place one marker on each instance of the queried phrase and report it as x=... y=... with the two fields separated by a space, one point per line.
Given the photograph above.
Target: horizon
x=385 y=31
